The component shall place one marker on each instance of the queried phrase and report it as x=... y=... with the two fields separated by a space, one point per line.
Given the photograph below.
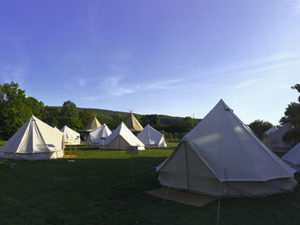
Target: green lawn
x=98 y=189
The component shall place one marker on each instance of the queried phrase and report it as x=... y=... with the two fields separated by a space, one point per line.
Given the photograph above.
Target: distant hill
x=164 y=119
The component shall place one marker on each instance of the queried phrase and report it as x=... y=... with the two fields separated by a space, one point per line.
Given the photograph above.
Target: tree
x=51 y=116
x=14 y=109
x=103 y=118
x=116 y=120
x=181 y=127
x=292 y=116
x=85 y=116
x=37 y=107
x=297 y=87
x=153 y=120
x=259 y=127
x=69 y=116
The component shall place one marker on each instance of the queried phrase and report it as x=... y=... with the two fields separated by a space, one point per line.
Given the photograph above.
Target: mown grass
x=97 y=188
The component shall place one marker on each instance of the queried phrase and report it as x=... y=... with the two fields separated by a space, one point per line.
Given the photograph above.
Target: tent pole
x=186 y=168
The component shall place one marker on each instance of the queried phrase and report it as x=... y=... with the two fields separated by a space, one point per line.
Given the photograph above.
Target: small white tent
x=271 y=130
x=122 y=138
x=222 y=157
x=71 y=136
x=293 y=157
x=35 y=140
x=133 y=124
x=92 y=125
x=274 y=140
x=152 y=138
x=98 y=136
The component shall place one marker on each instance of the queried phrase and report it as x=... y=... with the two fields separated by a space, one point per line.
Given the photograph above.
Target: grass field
x=97 y=188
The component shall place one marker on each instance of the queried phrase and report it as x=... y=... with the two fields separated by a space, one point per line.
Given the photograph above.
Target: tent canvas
x=292 y=157
x=122 y=138
x=133 y=124
x=271 y=130
x=98 y=136
x=222 y=157
x=152 y=138
x=35 y=140
x=274 y=139
x=71 y=136
x=92 y=125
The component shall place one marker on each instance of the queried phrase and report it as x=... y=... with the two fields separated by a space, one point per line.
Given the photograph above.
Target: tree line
x=16 y=109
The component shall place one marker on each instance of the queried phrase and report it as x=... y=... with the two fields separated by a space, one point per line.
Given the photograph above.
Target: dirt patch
x=187 y=198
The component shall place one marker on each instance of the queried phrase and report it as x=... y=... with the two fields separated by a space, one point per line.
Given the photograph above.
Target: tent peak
x=224 y=105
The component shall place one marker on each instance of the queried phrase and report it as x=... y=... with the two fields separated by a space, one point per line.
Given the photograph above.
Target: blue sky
x=155 y=56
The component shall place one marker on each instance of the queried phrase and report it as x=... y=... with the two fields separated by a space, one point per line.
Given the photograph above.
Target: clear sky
x=155 y=56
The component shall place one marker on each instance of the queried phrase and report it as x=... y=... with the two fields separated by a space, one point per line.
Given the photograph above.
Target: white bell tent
x=222 y=157
x=292 y=157
x=71 y=136
x=122 y=138
x=97 y=137
x=271 y=130
x=35 y=140
x=274 y=140
x=152 y=138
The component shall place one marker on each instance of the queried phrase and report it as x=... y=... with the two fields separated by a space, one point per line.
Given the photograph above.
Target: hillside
x=164 y=119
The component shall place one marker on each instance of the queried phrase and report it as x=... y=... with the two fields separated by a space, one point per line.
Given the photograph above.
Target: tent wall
x=162 y=143
x=173 y=173
x=185 y=170
x=119 y=143
x=34 y=156
x=90 y=142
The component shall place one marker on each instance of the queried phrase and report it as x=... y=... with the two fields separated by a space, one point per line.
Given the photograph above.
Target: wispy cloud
x=263 y=68
x=162 y=85
x=245 y=69
x=246 y=83
x=117 y=86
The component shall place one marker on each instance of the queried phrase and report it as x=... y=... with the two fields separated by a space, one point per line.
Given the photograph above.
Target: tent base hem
x=242 y=189
x=34 y=156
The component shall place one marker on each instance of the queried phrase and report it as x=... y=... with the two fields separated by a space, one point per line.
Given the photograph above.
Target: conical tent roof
x=133 y=124
x=71 y=136
x=152 y=138
x=121 y=138
x=97 y=136
x=275 y=139
x=271 y=130
x=34 y=140
x=293 y=157
x=224 y=149
x=92 y=125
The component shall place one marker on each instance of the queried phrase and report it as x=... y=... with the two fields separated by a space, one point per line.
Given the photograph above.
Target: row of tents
x=219 y=157
x=124 y=135
x=36 y=140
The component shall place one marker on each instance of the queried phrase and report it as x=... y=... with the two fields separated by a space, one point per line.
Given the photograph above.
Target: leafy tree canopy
x=15 y=109
x=292 y=115
x=259 y=127
x=69 y=116
x=116 y=120
x=153 y=120
x=85 y=116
